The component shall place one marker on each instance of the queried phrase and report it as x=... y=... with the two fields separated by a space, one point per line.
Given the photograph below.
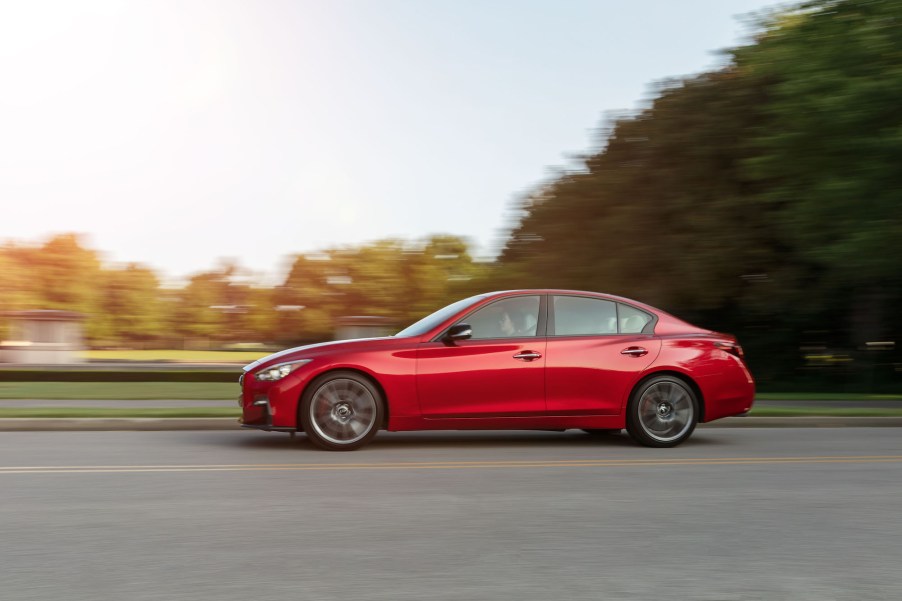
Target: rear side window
x=581 y=316
x=632 y=320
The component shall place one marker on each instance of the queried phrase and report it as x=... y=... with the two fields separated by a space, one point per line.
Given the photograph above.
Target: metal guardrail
x=120 y=373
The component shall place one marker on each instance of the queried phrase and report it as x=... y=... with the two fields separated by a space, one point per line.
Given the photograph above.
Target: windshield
x=431 y=321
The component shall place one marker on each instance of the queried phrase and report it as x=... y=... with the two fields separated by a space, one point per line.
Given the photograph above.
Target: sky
x=176 y=133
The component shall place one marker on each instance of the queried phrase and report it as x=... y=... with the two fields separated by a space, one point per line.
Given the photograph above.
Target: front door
x=499 y=372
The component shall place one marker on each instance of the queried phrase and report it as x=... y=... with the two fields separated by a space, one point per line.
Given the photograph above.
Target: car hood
x=312 y=350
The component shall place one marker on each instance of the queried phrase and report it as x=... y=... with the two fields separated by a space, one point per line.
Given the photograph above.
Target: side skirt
x=547 y=422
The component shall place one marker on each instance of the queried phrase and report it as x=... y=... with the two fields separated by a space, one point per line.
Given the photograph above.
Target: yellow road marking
x=95 y=469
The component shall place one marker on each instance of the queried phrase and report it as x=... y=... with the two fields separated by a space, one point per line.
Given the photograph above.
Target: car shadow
x=470 y=439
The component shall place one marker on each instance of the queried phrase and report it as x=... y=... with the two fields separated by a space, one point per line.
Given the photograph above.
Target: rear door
x=596 y=350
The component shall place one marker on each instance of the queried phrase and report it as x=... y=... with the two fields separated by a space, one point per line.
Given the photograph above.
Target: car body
x=519 y=359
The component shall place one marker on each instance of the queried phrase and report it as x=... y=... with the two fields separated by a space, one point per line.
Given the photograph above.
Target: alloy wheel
x=666 y=411
x=343 y=411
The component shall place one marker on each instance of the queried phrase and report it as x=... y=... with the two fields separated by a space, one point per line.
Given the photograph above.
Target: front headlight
x=277 y=372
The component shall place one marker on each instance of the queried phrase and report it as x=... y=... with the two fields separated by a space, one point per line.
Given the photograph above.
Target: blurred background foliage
x=126 y=306
x=761 y=199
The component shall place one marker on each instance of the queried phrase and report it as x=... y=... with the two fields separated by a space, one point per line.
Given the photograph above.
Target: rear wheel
x=662 y=412
x=341 y=411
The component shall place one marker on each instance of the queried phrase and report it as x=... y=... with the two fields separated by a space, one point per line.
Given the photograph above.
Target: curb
x=156 y=424
x=811 y=421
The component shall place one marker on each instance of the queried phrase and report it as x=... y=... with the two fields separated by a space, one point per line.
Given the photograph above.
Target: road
x=734 y=514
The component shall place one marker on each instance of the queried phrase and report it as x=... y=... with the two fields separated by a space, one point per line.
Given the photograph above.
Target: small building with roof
x=43 y=336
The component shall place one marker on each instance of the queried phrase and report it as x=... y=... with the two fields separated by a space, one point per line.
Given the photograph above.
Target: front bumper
x=271 y=405
x=260 y=415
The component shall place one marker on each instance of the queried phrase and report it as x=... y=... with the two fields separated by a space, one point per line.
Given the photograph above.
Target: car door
x=498 y=372
x=596 y=349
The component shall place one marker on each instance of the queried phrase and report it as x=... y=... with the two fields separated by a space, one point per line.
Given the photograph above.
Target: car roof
x=666 y=322
x=614 y=297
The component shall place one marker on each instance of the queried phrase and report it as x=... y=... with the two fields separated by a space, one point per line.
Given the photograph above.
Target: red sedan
x=523 y=359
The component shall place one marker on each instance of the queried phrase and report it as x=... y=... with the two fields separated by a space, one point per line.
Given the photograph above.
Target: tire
x=662 y=412
x=341 y=411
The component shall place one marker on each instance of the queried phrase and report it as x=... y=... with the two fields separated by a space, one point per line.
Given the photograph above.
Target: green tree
x=211 y=308
x=63 y=274
x=17 y=291
x=661 y=212
x=827 y=157
x=129 y=306
x=304 y=302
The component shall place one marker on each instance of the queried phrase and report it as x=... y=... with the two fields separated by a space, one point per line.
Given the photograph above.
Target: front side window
x=508 y=318
x=582 y=316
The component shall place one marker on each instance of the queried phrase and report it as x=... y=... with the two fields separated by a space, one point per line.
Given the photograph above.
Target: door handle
x=635 y=351
x=528 y=356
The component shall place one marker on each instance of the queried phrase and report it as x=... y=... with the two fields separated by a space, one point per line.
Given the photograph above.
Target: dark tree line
x=762 y=198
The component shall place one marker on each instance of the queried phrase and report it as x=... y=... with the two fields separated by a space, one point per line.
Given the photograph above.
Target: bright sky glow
x=177 y=132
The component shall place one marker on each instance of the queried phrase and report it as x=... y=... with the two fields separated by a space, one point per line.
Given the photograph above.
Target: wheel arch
x=364 y=374
x=679 y=375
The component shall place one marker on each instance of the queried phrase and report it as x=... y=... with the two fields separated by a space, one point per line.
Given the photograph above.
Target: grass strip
x=65 y=412
x=826 y=396
x=824 y=412
x=106 y=391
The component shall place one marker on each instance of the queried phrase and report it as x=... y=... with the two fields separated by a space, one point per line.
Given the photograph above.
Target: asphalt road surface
x=734 y=514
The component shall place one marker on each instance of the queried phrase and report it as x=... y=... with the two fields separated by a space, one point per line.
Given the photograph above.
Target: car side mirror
x=460 y=331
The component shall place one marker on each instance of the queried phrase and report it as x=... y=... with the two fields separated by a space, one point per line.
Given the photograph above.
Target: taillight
x=731 y=347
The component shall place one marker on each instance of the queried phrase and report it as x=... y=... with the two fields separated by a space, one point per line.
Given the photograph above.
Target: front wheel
x=341 y=411
x=662 y=412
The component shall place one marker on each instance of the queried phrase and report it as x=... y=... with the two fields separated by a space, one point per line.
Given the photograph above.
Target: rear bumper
x=728 y=394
